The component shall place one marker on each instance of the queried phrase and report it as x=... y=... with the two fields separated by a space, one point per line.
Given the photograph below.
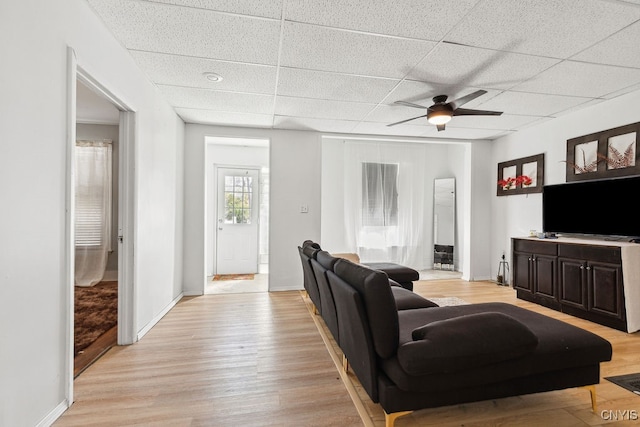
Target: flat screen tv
x=605 y=207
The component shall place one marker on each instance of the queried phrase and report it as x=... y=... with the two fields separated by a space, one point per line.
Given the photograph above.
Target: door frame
x=127 y=328
x=216 y=185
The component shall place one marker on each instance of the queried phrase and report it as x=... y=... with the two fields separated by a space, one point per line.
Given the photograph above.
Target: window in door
x=238 y=194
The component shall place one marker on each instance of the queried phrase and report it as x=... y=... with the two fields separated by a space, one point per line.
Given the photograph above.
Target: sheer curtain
x=384 y=201
x=93 y=210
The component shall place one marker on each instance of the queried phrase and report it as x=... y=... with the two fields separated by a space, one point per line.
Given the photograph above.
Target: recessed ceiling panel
x=321 y=109
x=531 y=104
x=461 y=66
x=166 y=28
x=267 y=9
x=549 y=28
x=332 y=86
x=321 y=48
x=183 y=97
x=426 y=19
x=620 y=49
x=192 y=115
x=581 y=79
x=189 y=71
x=320 y=125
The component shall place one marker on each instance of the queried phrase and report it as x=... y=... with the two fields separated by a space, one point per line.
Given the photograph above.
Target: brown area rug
x=233 y=277
x=96 y=311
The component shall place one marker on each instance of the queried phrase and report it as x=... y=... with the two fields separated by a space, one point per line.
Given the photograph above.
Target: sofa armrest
x=465 y=342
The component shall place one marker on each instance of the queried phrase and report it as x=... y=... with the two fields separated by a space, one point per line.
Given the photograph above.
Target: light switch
x=304 y=208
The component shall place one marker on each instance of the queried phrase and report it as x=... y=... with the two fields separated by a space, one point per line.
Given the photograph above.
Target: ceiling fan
x=441 y=111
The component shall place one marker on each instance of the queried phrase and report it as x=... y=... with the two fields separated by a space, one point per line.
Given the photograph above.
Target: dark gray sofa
x=423 y=357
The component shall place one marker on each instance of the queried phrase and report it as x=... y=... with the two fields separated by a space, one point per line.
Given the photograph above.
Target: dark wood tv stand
x=595 y=280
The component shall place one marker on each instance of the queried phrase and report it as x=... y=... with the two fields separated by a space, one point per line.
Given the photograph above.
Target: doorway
x=96 y=227
x=124 y=117
x=237 y=215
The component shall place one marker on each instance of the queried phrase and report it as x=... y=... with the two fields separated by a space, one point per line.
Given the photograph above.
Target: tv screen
x=600 y=207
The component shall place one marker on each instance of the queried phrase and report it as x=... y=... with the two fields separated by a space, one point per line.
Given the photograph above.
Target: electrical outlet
x=304 y=208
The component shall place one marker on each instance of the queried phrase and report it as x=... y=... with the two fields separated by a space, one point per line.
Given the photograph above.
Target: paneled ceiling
x=339 y=66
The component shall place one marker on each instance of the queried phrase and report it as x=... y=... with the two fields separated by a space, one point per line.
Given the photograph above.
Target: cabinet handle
x=582 y=267
x=588 y=268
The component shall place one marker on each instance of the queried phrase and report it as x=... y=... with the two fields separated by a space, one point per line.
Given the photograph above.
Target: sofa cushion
x=397 y=272
x=407 y=300
x=465 y=342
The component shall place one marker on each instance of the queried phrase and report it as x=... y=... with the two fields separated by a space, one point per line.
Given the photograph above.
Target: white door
x=237 y=221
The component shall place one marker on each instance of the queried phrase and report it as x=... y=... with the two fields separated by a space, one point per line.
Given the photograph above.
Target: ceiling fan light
x=439 y=117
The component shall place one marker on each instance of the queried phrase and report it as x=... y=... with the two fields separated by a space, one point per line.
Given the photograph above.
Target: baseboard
x=54 y=415
x=156 y=319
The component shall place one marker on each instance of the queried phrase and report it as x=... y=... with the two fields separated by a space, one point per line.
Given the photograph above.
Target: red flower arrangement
x=510 y=182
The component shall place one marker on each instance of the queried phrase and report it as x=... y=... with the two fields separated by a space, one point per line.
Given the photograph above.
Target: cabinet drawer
x=608 y=254
x=536 y=247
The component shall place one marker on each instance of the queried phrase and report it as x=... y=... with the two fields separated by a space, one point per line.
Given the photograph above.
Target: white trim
x=52 y=416
x=127 y=326
x=156 y=319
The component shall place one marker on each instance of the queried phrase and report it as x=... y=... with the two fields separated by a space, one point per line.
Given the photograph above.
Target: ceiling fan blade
x=410 y=104
x=461 y=101
x=440 y=127
x=404 y=121
x=469 y=112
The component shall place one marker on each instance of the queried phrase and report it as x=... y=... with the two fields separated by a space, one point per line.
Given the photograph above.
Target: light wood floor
x=259 y=360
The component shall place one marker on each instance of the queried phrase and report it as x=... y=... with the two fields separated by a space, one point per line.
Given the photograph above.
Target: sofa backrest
x=378 y=301
x=321 y=264
x=307 y=253
x=355 y=336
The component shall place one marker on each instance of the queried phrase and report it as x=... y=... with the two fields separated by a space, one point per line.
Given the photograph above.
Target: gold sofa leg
x=592 y=392
x=345 y=363
x=390 y=419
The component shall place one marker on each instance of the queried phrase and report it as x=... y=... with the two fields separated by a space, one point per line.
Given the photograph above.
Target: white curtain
x=384 y=202
x=93 y=210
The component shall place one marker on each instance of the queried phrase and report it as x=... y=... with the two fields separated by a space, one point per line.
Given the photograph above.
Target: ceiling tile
x=267 y=9
x=581 y=79
x=552 y=28
x=188 y=71
x=382 y=129
x=192 y=115
x=340 y=87
x=464 y=133
x=193 y=32
x=620 y=49
x=503 y=122
x=531 y=104
x=460 y=66
x=394 y=113
x=320 y=125
x=183 y=97
x=321 y=48
x=422 y=93
x=425 y=19
x=321 y=109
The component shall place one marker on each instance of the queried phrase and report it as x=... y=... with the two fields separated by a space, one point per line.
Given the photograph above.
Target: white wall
x=33 y=174
x=294 y=181
x=514 y=216
x=227 y=155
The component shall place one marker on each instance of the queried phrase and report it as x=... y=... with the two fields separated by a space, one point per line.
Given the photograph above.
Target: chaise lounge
x=428 y=356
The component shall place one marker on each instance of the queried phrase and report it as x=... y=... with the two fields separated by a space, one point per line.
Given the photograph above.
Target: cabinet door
x=605 y=282
x=545 y=275
x=572 y=283
x=522 y=274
